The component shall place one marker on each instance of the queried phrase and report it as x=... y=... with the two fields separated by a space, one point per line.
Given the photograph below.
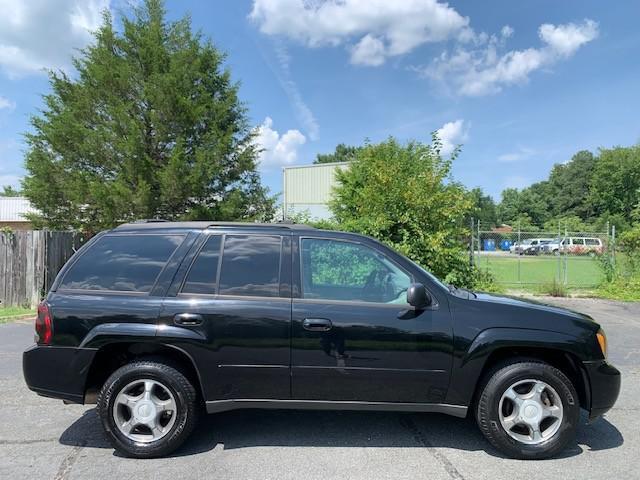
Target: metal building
x=307 y=188
x=13 y=211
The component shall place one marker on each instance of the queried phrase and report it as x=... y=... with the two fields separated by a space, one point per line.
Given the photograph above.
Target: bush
x=554 y=289
x=403 y=195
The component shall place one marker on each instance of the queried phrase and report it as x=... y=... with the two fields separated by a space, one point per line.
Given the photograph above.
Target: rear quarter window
x=123 y=263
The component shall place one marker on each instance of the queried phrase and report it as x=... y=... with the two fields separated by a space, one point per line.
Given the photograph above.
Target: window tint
x=335 y=270
x=204 y=270
x=250 y=265
x=577 y=241
x=128 y=263
x=592 y=241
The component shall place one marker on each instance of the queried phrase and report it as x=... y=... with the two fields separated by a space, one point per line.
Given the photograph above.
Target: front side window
x=250 y=265
x=336 y=270
x=125 y=263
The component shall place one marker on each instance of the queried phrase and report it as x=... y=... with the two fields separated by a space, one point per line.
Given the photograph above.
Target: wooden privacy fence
x=30 y=261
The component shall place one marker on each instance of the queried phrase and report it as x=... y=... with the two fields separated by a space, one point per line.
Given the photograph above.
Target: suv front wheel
x=528 y=409
x=147 y=408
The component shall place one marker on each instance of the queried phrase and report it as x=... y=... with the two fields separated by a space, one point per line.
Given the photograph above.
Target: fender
x=468 y=369
x=109 y=333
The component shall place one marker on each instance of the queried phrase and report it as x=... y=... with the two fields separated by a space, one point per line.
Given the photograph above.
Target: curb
x=17 y=318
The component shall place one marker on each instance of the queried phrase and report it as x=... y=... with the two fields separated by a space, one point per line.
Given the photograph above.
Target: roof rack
x=150 y=220
x=281 y=224
x=151 y=223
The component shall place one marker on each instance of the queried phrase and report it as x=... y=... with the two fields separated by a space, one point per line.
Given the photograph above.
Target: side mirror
x=417 y=296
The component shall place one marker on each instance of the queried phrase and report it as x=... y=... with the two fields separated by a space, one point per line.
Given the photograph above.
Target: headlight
x=602 y=341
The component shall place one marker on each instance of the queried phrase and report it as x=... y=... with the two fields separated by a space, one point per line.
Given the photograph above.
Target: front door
x=353 y=335
x=234 y=307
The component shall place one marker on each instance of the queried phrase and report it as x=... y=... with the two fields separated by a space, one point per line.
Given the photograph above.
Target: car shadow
x=291 y=428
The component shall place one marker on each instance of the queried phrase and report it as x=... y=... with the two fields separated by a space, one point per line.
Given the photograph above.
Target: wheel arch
x=496 y=345
x=114 y=355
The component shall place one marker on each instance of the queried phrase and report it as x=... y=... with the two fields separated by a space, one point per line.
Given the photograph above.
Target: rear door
x=354 y=338
x=117 y=279
x=232 y=301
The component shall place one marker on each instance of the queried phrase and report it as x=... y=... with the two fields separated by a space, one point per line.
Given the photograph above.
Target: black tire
x=498 y=381
x=186 y=407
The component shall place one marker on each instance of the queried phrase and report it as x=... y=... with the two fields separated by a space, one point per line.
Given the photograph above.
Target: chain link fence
x=528 y=259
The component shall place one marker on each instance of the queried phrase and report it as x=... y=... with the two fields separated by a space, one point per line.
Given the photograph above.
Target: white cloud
x=39 y=34
x=277 y=150
x=5 y=103
x=522 y=153
x=301 y=109
x=485 y=70
x=368 y=51
x=452 y=134
x=566 y=39
x=374 y=30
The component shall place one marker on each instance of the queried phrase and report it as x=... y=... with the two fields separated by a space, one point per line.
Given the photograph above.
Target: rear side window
x=125 y=263
x=203 y=274
x=577 y=241
x=250 y=265
x=592 y=241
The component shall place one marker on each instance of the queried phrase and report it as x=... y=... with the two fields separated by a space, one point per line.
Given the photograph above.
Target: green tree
x=509 y=207
x=404 y=196
x=568 y=223
x=484 y=208
x=150 y=126
x=342 y=153
x=9 y=191
x=568 y=192
x=615 y=184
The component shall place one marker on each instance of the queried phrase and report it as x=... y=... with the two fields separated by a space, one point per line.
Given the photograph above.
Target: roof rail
x=159 y=223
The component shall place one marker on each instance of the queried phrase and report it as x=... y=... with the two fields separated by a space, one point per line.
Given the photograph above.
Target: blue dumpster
x=489 y=245
x=505 y=245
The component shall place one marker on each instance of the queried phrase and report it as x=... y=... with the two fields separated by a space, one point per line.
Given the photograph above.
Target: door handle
x=317 y=324
x=188 y=319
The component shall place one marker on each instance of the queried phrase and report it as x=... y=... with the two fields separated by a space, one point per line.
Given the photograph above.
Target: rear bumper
x=57 y=372
x=605 y=380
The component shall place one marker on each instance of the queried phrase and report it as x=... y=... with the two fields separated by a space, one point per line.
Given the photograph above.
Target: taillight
x=44 y=324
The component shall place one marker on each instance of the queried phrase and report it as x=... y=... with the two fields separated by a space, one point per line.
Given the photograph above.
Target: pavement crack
x=27 y=442
x=420 y=437
x=68 y=462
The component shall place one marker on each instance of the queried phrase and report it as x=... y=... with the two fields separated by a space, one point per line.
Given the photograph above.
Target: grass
x=7 y=313
x=531 y=273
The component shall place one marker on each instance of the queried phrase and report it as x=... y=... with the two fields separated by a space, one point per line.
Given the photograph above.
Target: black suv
x=155 y=322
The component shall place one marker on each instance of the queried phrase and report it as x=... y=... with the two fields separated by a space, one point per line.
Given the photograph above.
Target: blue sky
x=520 y=85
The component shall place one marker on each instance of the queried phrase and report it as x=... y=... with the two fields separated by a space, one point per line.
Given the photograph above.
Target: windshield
x=431 y=276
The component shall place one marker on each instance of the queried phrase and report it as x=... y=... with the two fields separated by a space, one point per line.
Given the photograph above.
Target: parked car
x=575 y=245
x=156 y=322
x=531 y=246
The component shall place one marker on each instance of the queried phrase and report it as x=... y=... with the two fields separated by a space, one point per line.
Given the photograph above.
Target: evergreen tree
x=149 y=126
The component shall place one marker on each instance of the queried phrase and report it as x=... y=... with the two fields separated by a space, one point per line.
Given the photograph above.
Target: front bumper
x=57 y=372
x=604 y=380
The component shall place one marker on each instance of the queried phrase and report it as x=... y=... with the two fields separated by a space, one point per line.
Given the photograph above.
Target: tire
x=169 y=386
x=493 y=409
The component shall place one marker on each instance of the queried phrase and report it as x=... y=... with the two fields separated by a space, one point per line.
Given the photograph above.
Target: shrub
x=403 y=195
x=554 y=289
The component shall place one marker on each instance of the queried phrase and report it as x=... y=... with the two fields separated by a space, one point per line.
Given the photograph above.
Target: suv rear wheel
x=147 y=408
x=528 y=409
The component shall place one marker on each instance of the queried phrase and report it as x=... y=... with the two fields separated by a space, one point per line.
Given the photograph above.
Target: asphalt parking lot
x=42 y=438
